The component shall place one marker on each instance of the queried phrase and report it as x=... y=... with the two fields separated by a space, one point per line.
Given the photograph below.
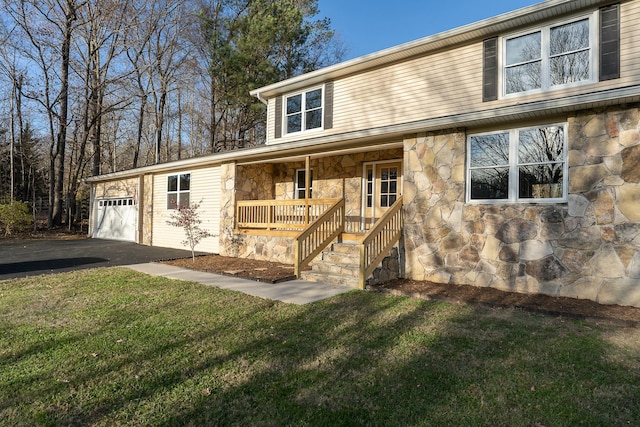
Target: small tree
x=188 y=218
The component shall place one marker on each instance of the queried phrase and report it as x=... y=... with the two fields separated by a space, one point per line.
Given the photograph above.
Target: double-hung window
x=303 y=111
x=178 y=189
x=525 y=165
x=553 y=56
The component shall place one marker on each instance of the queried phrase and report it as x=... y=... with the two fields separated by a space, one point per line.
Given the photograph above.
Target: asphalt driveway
x=24 y=258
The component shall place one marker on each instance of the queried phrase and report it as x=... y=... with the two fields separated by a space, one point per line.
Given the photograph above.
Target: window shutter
x=278 y=121
x=328 y=105
x=490 y=70
x=610 y=42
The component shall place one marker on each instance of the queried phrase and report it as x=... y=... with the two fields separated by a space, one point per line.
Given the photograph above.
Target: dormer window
x=303 y=111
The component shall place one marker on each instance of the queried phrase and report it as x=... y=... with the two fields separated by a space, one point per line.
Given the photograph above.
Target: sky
x=367 y=26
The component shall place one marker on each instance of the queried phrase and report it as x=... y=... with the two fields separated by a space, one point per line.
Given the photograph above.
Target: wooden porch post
x=307 y=181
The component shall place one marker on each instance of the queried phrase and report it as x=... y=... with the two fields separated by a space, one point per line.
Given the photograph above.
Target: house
x=505 y=153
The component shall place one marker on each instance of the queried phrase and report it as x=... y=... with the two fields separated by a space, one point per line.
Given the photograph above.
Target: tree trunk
x=58 y=193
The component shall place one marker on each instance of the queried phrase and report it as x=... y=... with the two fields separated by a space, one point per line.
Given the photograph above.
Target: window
x=303 y=111
x=388 y=186
x=369 y=186
x=178 y=187
x=553 y=56
x=301 y=184
x=526 y=164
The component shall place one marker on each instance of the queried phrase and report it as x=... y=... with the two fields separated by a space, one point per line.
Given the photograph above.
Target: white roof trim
x=354 y=139
x=478 y=30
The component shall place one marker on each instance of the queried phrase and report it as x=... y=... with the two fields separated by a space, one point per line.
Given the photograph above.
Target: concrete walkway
x=294 y=292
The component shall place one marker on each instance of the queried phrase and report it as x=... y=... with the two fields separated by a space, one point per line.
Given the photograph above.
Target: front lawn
x=114 y=347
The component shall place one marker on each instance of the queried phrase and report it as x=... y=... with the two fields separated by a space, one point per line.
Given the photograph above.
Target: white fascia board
x=630 y=94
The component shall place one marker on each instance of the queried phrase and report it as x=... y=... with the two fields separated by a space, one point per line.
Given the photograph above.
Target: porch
x=294 y=209
x=314 y=225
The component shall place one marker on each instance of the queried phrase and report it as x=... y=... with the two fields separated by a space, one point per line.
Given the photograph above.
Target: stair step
x=331 y=279
x=345 y=247
x=341 y=257
x=333 y=268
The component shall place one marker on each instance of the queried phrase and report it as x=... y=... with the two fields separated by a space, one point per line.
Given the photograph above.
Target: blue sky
x=367 y=26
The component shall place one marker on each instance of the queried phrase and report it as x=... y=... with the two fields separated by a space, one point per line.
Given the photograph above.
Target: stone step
x=327 y=267
x=340 y=257
x=331 y=279
x=345 y=247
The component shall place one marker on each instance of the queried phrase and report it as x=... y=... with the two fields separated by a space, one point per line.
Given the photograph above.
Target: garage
x=116 y=219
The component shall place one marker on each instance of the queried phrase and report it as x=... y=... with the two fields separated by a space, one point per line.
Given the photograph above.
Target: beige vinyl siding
x=630 y=42
x=447 y=83
x=271 y=120
x=205 y=186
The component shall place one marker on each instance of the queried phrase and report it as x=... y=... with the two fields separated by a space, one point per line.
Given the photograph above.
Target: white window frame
x=513 y=165
x=303 y=111
x=301 y=186
x=178 y=191
x=364 y=190
x=545 y=58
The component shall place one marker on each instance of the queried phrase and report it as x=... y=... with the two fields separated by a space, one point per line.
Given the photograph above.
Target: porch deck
x=315 y=223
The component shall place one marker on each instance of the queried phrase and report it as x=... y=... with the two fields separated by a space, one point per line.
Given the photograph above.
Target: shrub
x=15 y=217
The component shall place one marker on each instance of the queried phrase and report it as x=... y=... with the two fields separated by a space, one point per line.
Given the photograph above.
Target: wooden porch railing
x=317 y=236
x=379 y=240
x=280 y=214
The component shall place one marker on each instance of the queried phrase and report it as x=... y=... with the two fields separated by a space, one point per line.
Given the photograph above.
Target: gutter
x=260 y=98
x=625 y=95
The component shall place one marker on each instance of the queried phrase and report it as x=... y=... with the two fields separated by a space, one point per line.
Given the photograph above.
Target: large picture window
x=178 y=189
x=526 y=164
x=303 y=111
x=553 y=56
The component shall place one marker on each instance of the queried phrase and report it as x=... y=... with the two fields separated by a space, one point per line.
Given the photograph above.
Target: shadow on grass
x=357 y=359
x=359 y=374
x=48 y=264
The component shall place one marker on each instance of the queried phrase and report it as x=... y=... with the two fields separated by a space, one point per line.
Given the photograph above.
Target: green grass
x=114 y=347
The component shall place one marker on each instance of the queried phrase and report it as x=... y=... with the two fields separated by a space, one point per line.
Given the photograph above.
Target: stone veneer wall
x=249 y=183
x=255 y=182
x=147 y=206
x=333 y=177
x=120 y=188
x=227 y=209
x=586 y=248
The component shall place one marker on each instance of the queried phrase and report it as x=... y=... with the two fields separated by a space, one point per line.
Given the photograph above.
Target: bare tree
x=49 y=26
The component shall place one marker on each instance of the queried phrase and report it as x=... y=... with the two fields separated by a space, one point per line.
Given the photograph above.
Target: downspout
x=140 y=208
x=92 y=195
x=261 y=99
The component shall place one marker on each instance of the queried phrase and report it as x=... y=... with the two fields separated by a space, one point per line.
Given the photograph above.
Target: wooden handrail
x=317 y=236
x=379 y=240
x=279 y=214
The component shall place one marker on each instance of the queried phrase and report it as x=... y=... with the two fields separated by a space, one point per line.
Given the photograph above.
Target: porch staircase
x=338 y=264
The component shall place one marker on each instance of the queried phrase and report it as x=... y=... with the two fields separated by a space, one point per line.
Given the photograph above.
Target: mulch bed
x=272 y=272
x=261 y=271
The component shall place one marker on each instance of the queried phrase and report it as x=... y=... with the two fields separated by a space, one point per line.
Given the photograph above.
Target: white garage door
x=116 y=219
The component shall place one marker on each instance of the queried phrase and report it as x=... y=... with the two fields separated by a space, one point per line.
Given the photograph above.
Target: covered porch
x=290 y=208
